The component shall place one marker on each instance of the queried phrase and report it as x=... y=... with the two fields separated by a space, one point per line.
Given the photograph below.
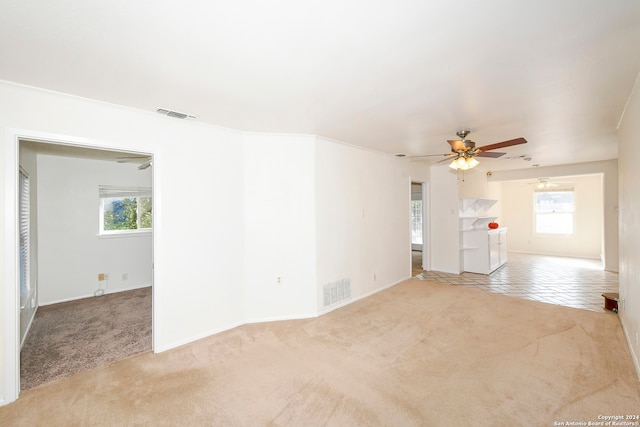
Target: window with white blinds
x=25 y=284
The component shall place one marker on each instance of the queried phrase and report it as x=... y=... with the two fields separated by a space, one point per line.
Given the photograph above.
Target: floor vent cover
x=335 y=292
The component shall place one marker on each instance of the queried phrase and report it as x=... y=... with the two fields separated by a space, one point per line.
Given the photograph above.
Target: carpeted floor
x=417 y=354
x=74 y=336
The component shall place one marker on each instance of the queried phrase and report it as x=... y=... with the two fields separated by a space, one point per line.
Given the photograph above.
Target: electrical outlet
x=279 y=280
x=106 y=276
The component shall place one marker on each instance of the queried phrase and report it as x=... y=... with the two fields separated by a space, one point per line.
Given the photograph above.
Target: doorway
x=66 y=237
x=419 y=229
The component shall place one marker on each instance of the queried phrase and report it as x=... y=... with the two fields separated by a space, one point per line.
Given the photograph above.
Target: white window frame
x=107 y=192
x=571 y=211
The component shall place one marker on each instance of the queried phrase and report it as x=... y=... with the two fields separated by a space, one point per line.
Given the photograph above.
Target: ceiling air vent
x=175 y=114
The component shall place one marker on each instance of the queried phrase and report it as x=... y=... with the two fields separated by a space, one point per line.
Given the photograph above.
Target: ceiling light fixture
x=544 y=183
x=463 y=162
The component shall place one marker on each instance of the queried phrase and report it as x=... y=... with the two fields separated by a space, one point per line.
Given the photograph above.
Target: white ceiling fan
x=144 y=161
x=545 y=183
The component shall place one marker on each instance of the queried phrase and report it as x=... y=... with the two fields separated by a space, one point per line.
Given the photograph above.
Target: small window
x=125 y=210
x=554 y=211
x=416 y=222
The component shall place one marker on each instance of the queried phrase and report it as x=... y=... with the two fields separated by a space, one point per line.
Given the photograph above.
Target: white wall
x=518 y=214
x=630 y=224
x=476 y=185
x=444 y=224
x=70 y=252
x=363 y=221
x=473 y=184
x=279 y=227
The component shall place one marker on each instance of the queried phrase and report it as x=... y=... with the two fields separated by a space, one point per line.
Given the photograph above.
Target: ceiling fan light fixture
x=455 y=163
x=464 y=163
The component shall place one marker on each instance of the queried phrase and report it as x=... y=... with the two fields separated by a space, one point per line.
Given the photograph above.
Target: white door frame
x=426 y=258
x=11 y=295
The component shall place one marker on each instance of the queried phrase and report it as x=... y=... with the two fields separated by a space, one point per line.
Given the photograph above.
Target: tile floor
x=571 y=282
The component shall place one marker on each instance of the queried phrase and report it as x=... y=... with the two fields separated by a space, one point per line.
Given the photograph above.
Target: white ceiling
x=390 y=75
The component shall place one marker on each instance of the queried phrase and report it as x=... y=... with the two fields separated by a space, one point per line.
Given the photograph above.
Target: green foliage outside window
x=145 y=212
x=121 y=213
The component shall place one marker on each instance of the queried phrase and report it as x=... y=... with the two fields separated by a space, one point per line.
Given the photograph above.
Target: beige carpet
x=418 y=354
x=75 y=336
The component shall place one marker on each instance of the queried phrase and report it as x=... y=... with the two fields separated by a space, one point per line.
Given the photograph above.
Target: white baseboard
x=26 y=332
x=634 y=356
x=160 y=349
x=561 y=255
x=280 y=318
x=91 y=295
x=344 y=303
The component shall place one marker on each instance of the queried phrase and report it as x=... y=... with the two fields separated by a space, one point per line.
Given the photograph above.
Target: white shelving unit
x=482 y=250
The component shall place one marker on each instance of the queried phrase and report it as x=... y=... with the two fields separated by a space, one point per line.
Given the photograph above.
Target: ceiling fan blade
x=457 y=145
x=447 y=159
x=503 y=144
x=145 y=165
x=493 y=154
x=133 y=159
x=431 y=155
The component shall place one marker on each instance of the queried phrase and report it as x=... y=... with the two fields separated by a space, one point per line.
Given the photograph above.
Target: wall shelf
x=482 y=250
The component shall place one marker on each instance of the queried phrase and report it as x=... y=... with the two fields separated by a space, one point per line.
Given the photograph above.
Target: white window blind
x=25 y=285
x=107 y=191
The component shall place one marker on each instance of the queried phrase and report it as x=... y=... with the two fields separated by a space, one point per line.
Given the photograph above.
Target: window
x=24 y=217
x=416 y=222
x=125 y=210
x=554 y=211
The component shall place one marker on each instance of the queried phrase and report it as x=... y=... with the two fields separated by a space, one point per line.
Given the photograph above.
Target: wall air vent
x=175 y=114
x=334 y=292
